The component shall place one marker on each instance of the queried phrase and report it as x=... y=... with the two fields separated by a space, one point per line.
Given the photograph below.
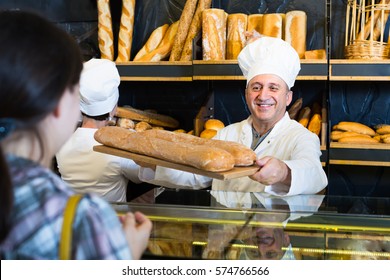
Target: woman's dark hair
x=38 y=62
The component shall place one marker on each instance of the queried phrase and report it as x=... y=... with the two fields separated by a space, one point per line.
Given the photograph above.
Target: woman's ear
x=57 y=110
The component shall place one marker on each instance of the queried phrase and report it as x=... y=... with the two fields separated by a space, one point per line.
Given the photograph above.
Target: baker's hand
x=137 y=228
x=272 y=171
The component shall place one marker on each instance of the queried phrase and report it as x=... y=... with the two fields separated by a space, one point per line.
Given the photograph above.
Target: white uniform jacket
x=288 y=141
x=88 y=171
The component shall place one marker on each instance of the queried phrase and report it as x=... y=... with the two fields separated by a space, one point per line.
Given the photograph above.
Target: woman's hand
x=137 y=228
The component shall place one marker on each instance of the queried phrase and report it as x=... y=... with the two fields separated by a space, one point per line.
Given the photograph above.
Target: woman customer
x=40 y=68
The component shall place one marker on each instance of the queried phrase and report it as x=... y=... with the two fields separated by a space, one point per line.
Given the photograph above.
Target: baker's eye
x=256 y=88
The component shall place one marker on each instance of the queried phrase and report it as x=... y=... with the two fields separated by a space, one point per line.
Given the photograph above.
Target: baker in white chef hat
x=269 y=55
x=99 y=92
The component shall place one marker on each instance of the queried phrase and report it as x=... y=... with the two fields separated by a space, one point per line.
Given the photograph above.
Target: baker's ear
x=289 y=97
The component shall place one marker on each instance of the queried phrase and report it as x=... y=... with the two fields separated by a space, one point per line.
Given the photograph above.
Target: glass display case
x=206 y=224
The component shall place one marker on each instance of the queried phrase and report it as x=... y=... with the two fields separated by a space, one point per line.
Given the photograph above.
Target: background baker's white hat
x=268 y=55
x=99 y=83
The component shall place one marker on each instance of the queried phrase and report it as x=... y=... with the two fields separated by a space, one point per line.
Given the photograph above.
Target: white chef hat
x=99 y=83
x=269 y=55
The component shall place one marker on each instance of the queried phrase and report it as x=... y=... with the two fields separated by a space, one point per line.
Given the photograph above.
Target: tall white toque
x=268 y=55
x=99 y=84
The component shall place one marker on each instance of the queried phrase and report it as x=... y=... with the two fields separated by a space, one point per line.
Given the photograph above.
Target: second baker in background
x=288 y=155
x=82 y=168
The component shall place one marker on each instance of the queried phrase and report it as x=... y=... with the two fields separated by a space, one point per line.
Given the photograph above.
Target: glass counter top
x=203 y=224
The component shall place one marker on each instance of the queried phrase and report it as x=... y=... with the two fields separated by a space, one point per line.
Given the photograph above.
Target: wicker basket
x=365 y=25
x=365 y=49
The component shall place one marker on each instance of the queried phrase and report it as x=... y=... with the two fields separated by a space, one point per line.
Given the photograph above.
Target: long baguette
x=152 y=118
x=338 y=134
x=255 y=22
x=243 y=156
x=105 y=35
x=125 y=37
x=214 y=34
x=294 y=109
x=358 y=140
x=201 y=157
x=182 y=30
x=356 y=127
x=235 y=34
x=195 y=28
x=153 y=41
x=304 y=116
x=295 y=31
x=164 y=49
x=315 y=124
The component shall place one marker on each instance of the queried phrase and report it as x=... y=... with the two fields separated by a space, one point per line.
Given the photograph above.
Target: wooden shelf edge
x=167 y=63
x=212 y=78
x=359 y=78
x=379 y=146
x=359 y=61
x=157 y=79
x=359 y=162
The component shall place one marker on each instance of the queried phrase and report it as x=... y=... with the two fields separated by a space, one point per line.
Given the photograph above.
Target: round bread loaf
x=208 y=133
x=214 y=124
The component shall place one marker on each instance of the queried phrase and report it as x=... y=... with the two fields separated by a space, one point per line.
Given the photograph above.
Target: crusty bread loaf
x=164 y=48
x=338 y=134
x=151 y=118
x=235 y=36
x=243 y=155
x=295 y=31
x=125 y=123
x=255 y=22
x=142 y=126
x=182 y=30
x=315 y=54
x=208 y=133
x=358 y=140
x=356 y=127
x=315 y=124
x=295 y=108
x=273 y=25
x=153 y=41
x=125 y=37
x=195 y=27
x=386 y=139
x=105 y=36
x=199 y=156
x=214 y=124
x=180 y=130
x=304 y=116
x=383 y=129
x=214 y=34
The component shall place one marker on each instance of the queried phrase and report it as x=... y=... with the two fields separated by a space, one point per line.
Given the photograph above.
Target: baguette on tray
x=199 y=156
x=243 y=156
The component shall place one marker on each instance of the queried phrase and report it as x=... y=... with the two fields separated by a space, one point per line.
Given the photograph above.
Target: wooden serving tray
x=236 y=172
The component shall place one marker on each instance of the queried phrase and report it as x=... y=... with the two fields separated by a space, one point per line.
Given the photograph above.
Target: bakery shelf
x=359 y=154
x=217 y=70
x=229 y=70
x=359 y=70
x=155 y=71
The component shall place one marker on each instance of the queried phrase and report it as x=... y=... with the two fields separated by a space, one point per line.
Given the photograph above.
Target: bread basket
x=365 y=29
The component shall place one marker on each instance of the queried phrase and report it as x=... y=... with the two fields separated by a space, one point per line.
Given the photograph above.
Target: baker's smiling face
x=267 y=96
